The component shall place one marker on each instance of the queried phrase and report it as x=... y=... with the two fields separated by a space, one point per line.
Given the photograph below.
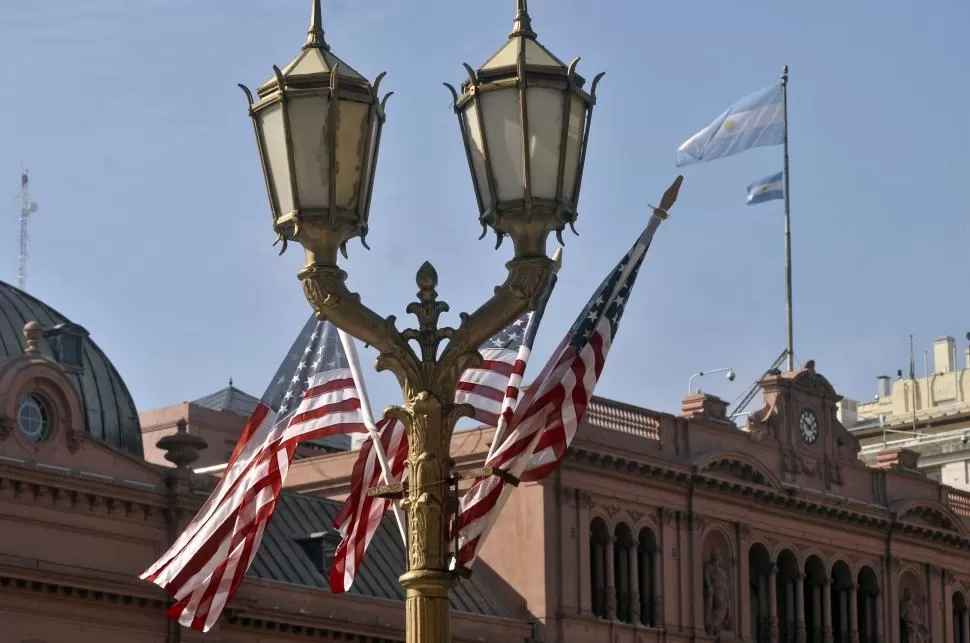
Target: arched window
x=759 y=594
x=624 y=573
x=867 y=605
x=599 y=536
x=647 y=578
x=841 y=593
x=961 y=619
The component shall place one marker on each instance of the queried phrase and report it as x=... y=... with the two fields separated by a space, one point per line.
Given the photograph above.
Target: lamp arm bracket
x=326 y=290
x=528 y=278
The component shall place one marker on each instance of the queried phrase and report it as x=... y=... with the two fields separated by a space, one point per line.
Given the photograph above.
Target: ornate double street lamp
x=524 y=118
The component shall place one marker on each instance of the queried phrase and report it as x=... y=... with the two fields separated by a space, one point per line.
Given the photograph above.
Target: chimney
x=898 y=460
x=944 y=355
x=882 y=386
x=704 y=405
x=966 y=356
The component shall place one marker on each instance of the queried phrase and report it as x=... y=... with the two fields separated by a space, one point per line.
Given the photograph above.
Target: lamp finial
x=314 y=35
x=523 y=23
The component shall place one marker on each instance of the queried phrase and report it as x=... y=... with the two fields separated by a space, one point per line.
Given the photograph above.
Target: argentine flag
x=754 y=121
x=767 y=189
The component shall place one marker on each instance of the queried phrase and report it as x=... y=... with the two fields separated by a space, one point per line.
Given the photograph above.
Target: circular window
x=33 y=418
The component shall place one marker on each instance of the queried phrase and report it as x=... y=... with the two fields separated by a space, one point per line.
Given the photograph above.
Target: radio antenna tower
x=27 y=208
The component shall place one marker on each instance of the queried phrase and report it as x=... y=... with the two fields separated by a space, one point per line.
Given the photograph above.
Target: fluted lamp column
x=525 y=123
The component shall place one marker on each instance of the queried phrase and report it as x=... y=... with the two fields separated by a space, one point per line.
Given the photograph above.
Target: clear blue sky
x=154 y=231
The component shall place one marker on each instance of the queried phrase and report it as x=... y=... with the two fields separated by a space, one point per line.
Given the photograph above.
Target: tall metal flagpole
x=788 y=298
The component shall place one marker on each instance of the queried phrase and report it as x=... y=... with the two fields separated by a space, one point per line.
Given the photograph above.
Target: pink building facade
x=658 y=527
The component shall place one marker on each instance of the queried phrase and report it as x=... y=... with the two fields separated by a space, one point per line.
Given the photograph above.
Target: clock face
x=808 y=426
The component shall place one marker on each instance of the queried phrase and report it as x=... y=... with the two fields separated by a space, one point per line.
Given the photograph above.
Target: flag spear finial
x=523 y=23
x=668 y=199
x=314 y=35
x=557 y=260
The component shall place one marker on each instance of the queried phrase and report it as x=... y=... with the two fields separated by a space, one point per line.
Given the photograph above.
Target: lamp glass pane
x=576 y=128
x=476 y=148
x=503 y=135
x=351 y=141
x=270 y=122
x=311 y=150
x=545 y=137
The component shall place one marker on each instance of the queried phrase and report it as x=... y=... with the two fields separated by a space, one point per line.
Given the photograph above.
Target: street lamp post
x=524 y=120
x=690 y=383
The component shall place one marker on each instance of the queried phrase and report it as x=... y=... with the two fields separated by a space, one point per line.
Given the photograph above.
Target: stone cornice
x=785 y=498
x=82 y=490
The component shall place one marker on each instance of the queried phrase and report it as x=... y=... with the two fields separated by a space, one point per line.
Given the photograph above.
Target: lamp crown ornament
x=314 y=35
x=318 y=126
x=523 y=23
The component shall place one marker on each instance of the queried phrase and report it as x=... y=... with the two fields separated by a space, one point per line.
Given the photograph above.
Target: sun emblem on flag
x=729 y=125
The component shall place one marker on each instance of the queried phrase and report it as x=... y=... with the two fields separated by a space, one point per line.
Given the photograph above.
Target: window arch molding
x=29 y=375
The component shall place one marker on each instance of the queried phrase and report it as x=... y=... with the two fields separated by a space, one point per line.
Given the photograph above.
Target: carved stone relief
x=697 y=522
x=667 y=516
x=744 y=532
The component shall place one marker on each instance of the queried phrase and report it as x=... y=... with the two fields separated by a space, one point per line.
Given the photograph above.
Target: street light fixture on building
x=525 y=123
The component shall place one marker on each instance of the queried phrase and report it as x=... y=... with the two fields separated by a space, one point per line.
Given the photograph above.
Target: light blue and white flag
x=754 y=121
x=767 y=189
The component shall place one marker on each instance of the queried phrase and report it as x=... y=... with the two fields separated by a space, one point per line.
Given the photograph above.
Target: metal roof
x=241 y=403
x=281 y=558
x=229 y=399
x=109 y=411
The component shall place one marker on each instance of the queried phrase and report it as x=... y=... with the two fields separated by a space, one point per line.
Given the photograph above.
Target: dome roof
x=109 y=411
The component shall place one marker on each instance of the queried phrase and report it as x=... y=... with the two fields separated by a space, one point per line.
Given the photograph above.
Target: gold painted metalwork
x=318 y=126
x=427 y=372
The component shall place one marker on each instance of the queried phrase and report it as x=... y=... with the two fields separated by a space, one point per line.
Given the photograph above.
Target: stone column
x=843 y=598
x=585 y=599
x=799 y=607
x=742 y=604
x=610 y=592
x=965 y=620
x=853 y=613
x=599 y=580
x=789 y=605
x=816 y=612
x=880 y=616
x=634 y=584
x=773 y=603
x=622 y=579
x=827 y=610
x=656 y=592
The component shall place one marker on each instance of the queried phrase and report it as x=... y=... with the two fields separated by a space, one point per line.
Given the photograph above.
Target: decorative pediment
x=811 y=381
x=733 y=465
x=928 y=514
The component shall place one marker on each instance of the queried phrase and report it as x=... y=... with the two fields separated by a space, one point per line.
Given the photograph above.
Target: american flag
x=312 y=395
x=491 y=390
x=545 y=420
x=360 y=515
